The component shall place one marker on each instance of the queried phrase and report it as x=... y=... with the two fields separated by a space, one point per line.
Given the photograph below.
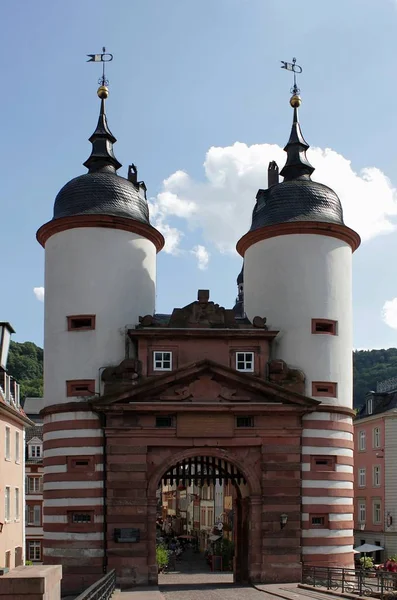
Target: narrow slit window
x=81 y=463
x=81 y=387
x=323 y=463
x=81 y=322
x=243 y=422
x=324 y=326
x=324 y=389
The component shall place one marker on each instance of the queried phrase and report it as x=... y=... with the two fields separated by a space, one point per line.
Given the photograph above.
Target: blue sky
x=197 y=83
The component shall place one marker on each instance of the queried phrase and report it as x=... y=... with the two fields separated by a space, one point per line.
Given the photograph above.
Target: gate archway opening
x=203 y=506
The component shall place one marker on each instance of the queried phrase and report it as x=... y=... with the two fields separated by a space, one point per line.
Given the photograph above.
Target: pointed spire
x=297 y=163
x=102 y=141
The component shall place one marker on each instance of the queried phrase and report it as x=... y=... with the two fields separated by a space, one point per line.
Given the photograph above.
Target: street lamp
x=283 y=520
x=5 y=337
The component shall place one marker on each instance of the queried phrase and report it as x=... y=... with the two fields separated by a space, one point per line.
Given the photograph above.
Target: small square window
x=320 y=521
x=244 y=421
x=245 y=361
x=81 y=322
x=324 y=326
x=162 y=361
x=324 y=389
x=164 y=422
x=80 y=387
x=81 y=518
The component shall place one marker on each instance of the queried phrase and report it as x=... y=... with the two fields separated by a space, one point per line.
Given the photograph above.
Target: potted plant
x=367 y=563
x=161 y=557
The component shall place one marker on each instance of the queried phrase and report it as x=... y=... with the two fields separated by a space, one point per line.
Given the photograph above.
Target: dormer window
x=162 y=361
x=370 y=406
x=245 y=361
x=35 y=450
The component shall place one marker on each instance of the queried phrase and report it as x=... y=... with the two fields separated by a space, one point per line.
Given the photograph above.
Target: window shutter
x=37 y=515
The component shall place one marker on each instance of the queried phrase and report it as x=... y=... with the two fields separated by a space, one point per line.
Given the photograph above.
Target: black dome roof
x=101 y=192
x=298 y=199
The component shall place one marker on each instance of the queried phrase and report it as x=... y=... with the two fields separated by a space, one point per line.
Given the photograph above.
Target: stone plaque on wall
x=209 y=425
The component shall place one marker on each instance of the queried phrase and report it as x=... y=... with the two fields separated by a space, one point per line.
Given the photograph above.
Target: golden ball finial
x=103 y=92
x=295 y=101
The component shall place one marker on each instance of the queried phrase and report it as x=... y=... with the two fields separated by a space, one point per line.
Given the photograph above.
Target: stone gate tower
x=298 y=272
x=100 y=275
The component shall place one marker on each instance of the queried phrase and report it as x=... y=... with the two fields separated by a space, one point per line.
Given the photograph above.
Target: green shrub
x=366 y=562
x=161 y=555
x=28 y=563
x=225 y=548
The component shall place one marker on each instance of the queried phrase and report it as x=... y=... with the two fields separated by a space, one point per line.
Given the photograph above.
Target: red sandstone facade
x=111 y=477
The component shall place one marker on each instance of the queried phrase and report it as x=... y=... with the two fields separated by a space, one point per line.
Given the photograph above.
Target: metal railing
x=100 y=590
x=363 y=582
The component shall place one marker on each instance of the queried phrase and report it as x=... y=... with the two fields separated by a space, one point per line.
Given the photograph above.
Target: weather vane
x=295 y=69
x=103 y=58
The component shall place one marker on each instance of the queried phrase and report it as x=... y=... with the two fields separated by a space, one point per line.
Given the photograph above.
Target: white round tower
x=100 y=276
x=298 y=274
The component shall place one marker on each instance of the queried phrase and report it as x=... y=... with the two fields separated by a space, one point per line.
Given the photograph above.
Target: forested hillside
x=371 y=367
x=25 y=363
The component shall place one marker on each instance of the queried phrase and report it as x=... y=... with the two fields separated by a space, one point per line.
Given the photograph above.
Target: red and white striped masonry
x=68 y=434
x=328 y=492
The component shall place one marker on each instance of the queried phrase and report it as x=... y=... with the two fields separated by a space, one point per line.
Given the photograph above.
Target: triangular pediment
x=209 y=382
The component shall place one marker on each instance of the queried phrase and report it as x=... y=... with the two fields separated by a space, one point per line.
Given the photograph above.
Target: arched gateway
x=213 y=466
x=170 y=415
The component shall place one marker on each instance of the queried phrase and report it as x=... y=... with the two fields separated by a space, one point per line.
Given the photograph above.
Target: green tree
x=25 y=364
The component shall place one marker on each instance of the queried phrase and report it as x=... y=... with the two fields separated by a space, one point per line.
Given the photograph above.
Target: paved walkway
x=193 y=580
x=139 y=594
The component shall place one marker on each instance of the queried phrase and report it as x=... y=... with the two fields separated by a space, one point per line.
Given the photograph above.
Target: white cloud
x=389 y=313
x=221 y=206
x=202 y=255
x=39 y=293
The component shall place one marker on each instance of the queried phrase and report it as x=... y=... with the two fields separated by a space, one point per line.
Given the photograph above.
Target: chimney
x=272 y=174
x=203 y=296
x=132 y=174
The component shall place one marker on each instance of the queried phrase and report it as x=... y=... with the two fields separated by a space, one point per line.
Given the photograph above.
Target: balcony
x=9 y=389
